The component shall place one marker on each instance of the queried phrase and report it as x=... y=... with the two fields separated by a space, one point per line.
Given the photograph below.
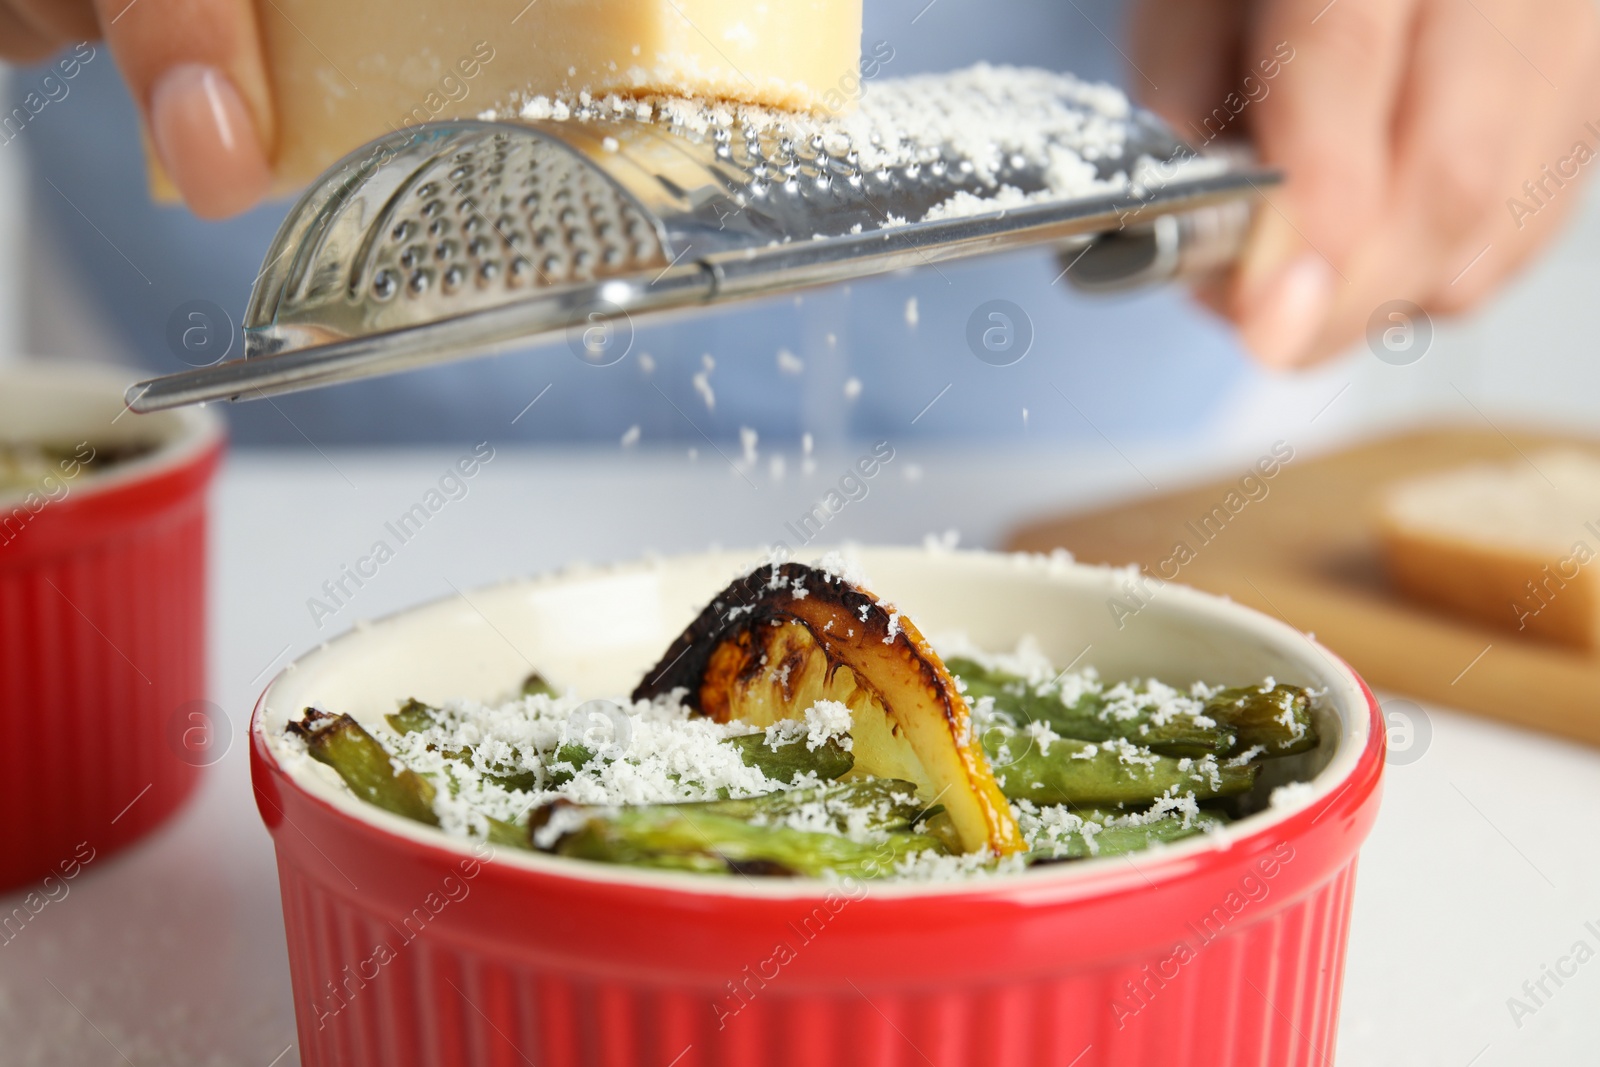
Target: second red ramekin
x=102 y=623
x=408 y=948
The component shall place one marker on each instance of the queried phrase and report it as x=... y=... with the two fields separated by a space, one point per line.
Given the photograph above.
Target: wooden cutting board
x=1306 y=551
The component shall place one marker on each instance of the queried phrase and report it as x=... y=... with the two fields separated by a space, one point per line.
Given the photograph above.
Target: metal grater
x=455 y=238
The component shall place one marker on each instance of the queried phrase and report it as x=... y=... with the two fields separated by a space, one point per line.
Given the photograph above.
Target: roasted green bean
x=671 y=837
x=415 y=716
x=379 y=778
x=1119 y=839
x=866 y=804
x=366 y=766
x=1089 y=718
x=1276 y=718
x=535 y=685
x=787 y=762
x=1069 y=771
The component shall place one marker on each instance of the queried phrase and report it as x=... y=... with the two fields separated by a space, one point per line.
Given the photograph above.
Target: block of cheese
x=346 y=71
x=1514 y=545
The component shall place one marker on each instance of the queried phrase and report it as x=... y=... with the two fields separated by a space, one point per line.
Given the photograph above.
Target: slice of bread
x=1514 y=545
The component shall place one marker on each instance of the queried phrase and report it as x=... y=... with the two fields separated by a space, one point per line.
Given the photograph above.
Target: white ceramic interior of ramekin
x=65 y=403
x=598 y=630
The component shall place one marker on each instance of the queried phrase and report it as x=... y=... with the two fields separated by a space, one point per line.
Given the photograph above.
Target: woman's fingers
x=1431 y=148
x=195 y=68
x=1490 y=100
x=59 y=21
x=1456 y=147
x=20 y=42
x=1327 y=123
x=207 y=139
x=1546 y=135
x=1185 y=58
x=1197 y=65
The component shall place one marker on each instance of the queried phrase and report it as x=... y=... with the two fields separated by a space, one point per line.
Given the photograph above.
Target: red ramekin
x=102 y=623
x=408 y=948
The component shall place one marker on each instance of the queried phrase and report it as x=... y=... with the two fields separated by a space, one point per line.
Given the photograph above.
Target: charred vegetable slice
x=784 y=637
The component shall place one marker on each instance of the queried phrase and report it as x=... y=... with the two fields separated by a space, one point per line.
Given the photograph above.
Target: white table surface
x=172 y=952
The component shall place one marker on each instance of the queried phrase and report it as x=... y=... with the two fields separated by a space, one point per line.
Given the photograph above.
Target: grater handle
x=1187 y=245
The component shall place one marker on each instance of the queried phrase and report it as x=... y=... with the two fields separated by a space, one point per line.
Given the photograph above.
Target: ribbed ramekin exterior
x=405 y=953
x=1263 y=995
x=102 y=641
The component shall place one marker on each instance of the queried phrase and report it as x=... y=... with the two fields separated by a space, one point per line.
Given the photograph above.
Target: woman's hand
x=1410 y=131
x=194 y=68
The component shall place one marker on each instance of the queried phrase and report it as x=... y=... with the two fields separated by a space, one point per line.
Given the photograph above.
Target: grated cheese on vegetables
x=824 y=721
x=606 y=755
x=669 y=755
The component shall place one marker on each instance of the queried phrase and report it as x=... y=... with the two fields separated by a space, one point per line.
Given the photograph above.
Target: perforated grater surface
x=455 y=238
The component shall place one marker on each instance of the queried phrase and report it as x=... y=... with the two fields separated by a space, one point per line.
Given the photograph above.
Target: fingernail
x=1282 y=318
x=207 y=140
x=1273 y=244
